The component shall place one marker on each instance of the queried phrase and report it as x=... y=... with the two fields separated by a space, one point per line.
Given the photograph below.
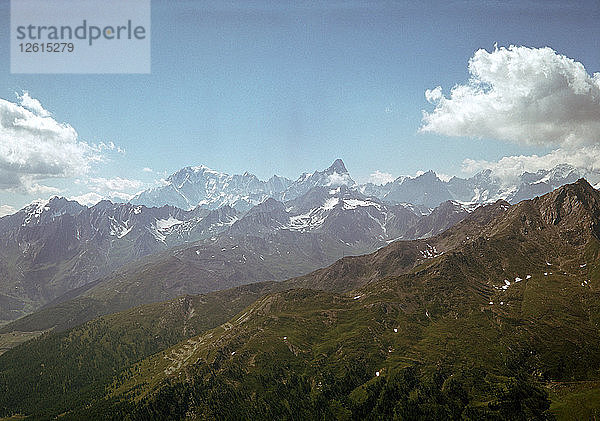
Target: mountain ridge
x=426 y=189
x=503 y=300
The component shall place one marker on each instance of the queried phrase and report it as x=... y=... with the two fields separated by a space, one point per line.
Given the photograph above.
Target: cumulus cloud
x=35 y=147
x=337 y=179
x=509 y=168
x=110 y=146
x=146 y=169
x=6 y=210
x=443 y=177
x=525 y=95
x=381 y=178
x=32 y=104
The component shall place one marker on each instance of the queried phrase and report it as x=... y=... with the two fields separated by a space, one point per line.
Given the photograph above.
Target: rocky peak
x=269 y=205
x=337 y=167
x=570 y=203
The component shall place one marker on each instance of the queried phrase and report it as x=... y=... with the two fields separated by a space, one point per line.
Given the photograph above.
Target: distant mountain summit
x=204 y=187
x=484 y=187
x=426 y=189
x=209 y=189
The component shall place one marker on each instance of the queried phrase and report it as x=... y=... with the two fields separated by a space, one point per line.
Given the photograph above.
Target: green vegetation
x=57 y=371
x=12 y=339
x=576 y=400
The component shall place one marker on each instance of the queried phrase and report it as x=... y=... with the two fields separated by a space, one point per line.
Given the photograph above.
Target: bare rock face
x=574 y=209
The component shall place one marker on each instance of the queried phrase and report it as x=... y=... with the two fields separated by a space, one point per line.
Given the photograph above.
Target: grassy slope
x=56 y=371
x=546 y=322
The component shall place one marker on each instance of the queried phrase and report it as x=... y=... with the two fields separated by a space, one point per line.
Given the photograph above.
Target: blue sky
x=276 y=87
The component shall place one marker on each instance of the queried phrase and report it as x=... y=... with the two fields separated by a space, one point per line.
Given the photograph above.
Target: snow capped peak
x=428 y=175
x=199 y=168
x=40 y=210
x=36 y=208
x=337 y=167
x=201 y=186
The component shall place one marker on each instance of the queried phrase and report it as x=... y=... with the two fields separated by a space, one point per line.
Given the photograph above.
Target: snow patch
x=165 y=224
x=118 y=229
x=330 y=203
x=430 y=252
x=350 y=204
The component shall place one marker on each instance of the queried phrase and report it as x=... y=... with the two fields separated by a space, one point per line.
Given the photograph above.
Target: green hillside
x=57 y=371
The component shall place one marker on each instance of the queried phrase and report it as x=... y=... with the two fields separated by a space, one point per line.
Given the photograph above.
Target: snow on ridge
x=355 y=203
x=35 y=209
x=468 y=206
x=165 y=224
x=330 y=203
x=118 y=229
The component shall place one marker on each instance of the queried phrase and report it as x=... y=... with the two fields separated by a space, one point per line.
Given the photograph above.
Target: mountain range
x=199 y=186
x=496 y=317
x=57 y=247
x=54 y=249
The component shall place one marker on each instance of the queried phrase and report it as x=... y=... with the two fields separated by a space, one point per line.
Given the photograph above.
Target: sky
x=286 y=87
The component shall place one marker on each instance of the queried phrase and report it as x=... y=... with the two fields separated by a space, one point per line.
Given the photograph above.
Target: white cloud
x=381 y=178
x=32 y=104
x=509 y=168
x=119 y=196
x=523 y=95
x=91 y=198
x=110 y=146
x=88 y=199
x=6 y=210
x=115 y=189
x=337 y=179
x=146 y=169
x=101 y=184
x=35 y=147
x=443 y=177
